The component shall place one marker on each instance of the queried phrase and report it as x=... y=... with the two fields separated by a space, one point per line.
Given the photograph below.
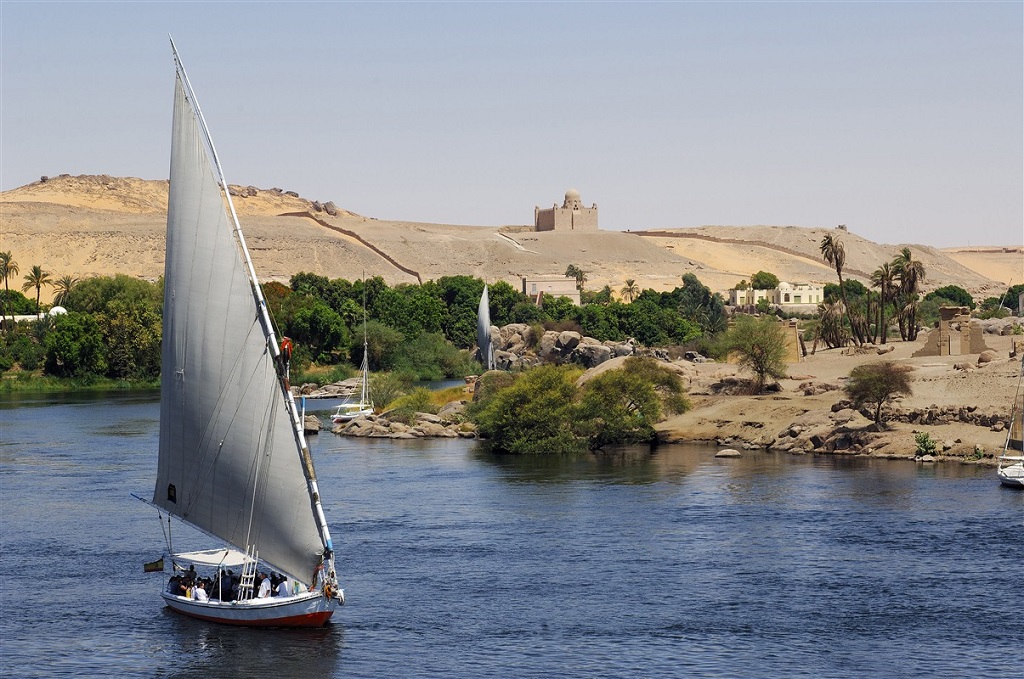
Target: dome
x=58 y=310
x=572 y=200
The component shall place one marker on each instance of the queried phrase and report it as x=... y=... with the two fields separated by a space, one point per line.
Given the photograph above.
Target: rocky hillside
x=100 y=225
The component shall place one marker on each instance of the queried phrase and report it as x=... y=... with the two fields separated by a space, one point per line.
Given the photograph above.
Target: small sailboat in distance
x=483 y=331
x=233 y=458
x=1011 y=463
x=350 y=410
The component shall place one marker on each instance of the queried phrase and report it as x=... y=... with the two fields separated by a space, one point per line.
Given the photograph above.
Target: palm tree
x=36 y=278
x=573 y=271
x=834 y=253
x=63 y=287
x=911 y=275
x=883 y=279
x=630 y=291
x=8 y=268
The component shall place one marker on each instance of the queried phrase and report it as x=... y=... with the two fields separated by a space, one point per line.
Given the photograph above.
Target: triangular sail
x=229 y=459
x=483 y=331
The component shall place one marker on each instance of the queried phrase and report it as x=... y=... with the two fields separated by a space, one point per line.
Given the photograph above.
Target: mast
x=265 y=323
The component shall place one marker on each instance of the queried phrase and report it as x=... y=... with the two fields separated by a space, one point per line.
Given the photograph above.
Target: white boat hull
x=309 y=609
x=342 y=417
x=1012 y=475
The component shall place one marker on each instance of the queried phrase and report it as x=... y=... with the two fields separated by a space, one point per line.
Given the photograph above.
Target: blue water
x=457 y=564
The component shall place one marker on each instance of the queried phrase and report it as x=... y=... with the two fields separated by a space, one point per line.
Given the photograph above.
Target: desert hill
x=100 y=225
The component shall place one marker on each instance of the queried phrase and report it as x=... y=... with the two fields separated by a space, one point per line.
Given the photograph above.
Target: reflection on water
x=458 y=563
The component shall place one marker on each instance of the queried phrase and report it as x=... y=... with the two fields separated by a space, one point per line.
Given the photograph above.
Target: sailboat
x=483 y=331
x=349 y=410
x=1011 y=463
x=233 y=458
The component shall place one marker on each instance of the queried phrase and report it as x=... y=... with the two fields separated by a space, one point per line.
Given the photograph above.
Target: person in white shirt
x=264 y=587
x=199 y=592
x=283 y=589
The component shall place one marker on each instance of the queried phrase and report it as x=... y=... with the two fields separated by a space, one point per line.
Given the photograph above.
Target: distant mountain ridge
x=100 y=225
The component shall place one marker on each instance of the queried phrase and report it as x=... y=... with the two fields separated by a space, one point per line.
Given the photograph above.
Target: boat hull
x=310 y=609
x=1012 y=475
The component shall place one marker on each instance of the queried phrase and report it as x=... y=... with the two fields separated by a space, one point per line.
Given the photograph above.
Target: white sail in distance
x=483 y=331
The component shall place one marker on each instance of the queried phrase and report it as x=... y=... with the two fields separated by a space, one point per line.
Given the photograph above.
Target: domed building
x=572 y=216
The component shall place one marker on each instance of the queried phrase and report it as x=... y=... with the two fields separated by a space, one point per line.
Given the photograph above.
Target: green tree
x=952 y=293
x=761 y=346
x=36 y=278
x=630 y=290
x=504 y=299
x=8 y=268
x=63 y=287
x=573 y=271
x=131 y=334
x=92 y=295
x=1012 y=297
x=695 y=302
x=320 y=328
x=834 y=252
x=763 y=280
x=383 y=344
x=876 y=383
x=742 y=285
x=533 y=415
x=883 y=278
x=622 y=406
x=75 y=346
x=911 y=275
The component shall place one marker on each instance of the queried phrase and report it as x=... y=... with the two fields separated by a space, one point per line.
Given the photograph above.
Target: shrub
x=876 y=383
x=925 y=444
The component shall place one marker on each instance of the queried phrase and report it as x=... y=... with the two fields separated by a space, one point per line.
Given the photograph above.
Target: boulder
x=330 y=208
x=729 y=452
x=311 y=424
x=591 y=355
x=986 y=356
x=567 y=341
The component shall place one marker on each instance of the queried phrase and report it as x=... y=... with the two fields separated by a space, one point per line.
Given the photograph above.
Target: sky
x=902 y=120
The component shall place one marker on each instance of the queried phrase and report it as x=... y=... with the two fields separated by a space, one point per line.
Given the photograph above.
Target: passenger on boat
x=283 y=589
x=199 y=592
x=264 y=586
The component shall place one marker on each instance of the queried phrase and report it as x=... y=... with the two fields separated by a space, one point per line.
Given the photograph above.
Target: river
x=458 y=564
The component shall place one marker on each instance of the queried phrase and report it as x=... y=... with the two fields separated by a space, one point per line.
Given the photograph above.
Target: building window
x=786 y=298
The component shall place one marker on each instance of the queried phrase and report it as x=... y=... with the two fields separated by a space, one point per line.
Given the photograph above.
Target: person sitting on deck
x=199 y=592
x=283 y=589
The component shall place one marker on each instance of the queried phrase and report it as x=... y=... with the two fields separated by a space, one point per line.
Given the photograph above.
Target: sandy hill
x=101 y=225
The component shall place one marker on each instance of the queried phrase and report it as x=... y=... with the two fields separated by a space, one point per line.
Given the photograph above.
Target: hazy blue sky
x=904 y=121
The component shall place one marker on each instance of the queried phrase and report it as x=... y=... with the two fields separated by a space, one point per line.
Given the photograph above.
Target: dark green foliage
x=764 y=280
x=876 y=383
x=695 y=302
x=461 y=297
x=761 y=346
x=504 y=300
x=534 y=414
x=75 y=347
x=1012 y=297
x=430 y=357
x=543 y=411
x=853 y=288
x=622 y=406
x=92 y=295
x=954 y=295
x=383 y=344
x=317 y=326
x=131 y=333
x=16 y=304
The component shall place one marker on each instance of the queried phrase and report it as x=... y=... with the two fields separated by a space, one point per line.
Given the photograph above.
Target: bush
x=925 y=444
x=761 y=346
x=876 y=383
x=386 y=387
x=404 y=408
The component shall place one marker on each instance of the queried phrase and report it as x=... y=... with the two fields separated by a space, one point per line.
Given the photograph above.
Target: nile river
x=457 y=564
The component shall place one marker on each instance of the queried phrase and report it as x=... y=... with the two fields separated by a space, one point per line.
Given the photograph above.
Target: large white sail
x=229 y=461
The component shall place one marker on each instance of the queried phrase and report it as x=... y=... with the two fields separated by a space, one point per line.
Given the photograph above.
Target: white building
x=787 y=295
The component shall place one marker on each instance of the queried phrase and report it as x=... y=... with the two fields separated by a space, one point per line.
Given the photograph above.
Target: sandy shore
x=790 y=419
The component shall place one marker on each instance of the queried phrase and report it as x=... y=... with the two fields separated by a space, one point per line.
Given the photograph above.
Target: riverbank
x=31 y=383
x=961 y=405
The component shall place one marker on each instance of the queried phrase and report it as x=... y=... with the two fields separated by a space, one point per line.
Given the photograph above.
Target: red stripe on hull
x=307 y=620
